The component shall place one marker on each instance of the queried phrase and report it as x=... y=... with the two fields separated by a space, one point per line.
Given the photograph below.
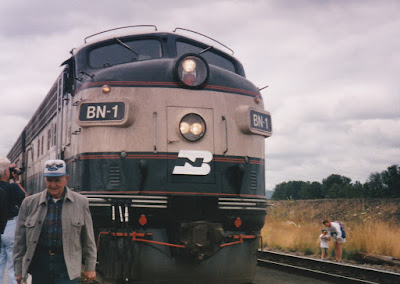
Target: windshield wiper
x=126 y=46
x=206 y=49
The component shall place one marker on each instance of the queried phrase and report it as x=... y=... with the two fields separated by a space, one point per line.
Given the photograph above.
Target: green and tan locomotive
x=165 y=136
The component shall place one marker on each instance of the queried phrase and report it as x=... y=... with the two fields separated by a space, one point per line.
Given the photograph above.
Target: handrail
x=155 y=132
x=205 y=37
x=125 y=27
x=226 y=134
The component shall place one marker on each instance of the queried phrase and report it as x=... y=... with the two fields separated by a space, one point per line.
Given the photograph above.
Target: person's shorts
x=339 y=240
x=324 y=249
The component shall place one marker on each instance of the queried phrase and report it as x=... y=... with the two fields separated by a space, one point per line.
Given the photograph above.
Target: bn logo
x=189 y=169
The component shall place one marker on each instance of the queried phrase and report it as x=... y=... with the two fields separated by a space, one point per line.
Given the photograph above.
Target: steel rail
x=311 y=272
x=327 y=270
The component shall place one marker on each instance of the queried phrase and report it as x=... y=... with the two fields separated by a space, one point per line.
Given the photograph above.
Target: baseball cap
x=55 y=168
x=324 y=230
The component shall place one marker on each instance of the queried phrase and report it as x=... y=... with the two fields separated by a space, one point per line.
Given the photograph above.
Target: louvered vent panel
x=114 y=176
x=253 y=180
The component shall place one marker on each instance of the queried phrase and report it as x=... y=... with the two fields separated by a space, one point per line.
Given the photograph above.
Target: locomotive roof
x=201 y=43
x=119 y=33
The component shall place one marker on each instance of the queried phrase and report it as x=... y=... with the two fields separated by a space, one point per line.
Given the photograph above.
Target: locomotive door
x=194 y=162
x=64 y=119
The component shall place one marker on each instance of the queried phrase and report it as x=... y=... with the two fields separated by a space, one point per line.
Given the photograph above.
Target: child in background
x=324 y=238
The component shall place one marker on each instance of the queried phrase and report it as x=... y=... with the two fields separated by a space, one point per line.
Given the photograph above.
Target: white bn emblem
x=188 y=169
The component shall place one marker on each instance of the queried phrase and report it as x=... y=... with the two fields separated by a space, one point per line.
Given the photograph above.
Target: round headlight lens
x=192 y=70
x=184 y=127
x=196 y=128
x=192 y=127
x=189 y=65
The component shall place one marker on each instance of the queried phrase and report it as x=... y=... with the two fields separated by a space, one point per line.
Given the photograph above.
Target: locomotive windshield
x=209 y=56
x=119 y=52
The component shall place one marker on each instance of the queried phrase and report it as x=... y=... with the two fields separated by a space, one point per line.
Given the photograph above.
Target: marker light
x=106 y=89
x=192 y=127
x=238 y=222
x=192 y=70
x=143 y=220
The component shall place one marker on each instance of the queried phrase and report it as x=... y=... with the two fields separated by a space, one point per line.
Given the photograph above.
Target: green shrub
x=309 y=251
x=350 y=254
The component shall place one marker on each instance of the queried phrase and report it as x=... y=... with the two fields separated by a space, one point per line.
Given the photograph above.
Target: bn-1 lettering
x=100 y=111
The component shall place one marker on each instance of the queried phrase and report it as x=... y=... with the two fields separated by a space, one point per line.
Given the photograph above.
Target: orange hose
x=134 y=236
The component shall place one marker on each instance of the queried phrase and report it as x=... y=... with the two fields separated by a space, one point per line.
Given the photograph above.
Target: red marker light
x=189 y=79
x=143 y=220
x=238 y=222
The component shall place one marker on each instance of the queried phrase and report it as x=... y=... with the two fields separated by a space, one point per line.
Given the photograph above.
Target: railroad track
x=326 y=270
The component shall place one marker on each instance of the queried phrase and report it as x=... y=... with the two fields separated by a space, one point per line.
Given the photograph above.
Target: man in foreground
x=54 y=233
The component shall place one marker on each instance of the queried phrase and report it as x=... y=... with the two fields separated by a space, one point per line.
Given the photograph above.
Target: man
x=338 y=240
x=15 y=194
x=55 y=233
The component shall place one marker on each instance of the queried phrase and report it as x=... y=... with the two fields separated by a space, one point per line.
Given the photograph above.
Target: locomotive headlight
x=192 y=127
x=196 y=128
x=192 y=70
x=189 y=65
x=184 y=127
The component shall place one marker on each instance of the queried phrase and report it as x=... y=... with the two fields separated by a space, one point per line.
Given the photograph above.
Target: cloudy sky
x=332 y=68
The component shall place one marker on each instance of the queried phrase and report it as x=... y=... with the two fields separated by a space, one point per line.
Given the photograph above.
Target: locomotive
x=165 y=136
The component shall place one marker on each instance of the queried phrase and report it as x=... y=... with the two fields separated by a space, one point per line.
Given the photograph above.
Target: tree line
x=379 y=185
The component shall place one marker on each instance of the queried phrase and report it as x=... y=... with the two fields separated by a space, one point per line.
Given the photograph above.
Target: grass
x=375 y=237
x=295 y=227
x=289 y=236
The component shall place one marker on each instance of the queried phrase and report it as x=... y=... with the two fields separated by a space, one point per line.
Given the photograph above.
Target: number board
x=102 y=111
x=260 y=121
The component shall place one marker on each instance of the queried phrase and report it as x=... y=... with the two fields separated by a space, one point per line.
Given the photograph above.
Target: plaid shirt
x=51 y=235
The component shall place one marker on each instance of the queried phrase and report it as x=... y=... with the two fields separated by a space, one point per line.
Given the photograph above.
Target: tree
x=280 y=192
x=391 y=179
x=288 y=190
x=357 y=191
x=374 y=186
x=336 y=186
x=379 y=185
x=385 y=184
x=311 y=191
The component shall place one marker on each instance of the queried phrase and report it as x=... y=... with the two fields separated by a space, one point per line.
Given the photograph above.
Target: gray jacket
x=77 y=227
